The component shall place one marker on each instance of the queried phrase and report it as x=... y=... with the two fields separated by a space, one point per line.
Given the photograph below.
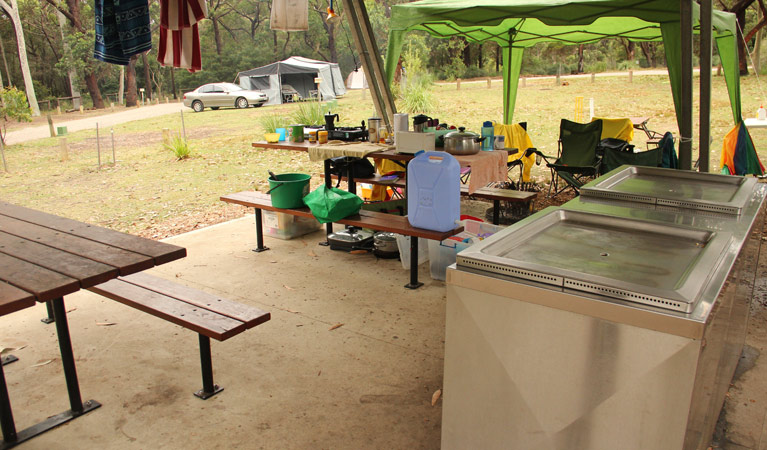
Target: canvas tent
x=518 y=24
x=298 y=73
x=356 y=79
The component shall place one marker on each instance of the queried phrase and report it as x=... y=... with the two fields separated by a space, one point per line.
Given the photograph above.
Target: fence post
x=50 y=125
x=593 y=77
x=64 y=149
x=488 y=83
x=631 y=76
x=98 y=144
x=524 y=82
x=114 y=158
x=166 y=136
x=458 y=84
x=82 y=111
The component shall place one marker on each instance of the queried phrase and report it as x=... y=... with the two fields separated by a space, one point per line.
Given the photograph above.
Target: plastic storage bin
x=442 y=254
x=286 y=226
x=403 y=244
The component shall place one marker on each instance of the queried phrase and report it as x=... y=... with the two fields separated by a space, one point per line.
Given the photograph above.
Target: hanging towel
x=738 y=153
x=516 y=137
x=180 y=48
x=122 y=30
x=179 y=35
x=622 y=129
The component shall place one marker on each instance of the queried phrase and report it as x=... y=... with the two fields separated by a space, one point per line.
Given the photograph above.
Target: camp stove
x=349 y=134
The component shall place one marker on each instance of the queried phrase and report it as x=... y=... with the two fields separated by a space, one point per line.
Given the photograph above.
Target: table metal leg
x=12 y=438
x=414 y=284
x=49 y=308
x=259 y=233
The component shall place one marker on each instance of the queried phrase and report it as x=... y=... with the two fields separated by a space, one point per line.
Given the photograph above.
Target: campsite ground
x=148 y=192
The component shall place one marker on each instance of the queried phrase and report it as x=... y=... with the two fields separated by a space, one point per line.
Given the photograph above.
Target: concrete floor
x=297 y=381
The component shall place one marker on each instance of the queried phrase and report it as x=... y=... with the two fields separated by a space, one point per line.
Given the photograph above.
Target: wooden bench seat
x=208 y=315
x=495 y=195
x=373 y=220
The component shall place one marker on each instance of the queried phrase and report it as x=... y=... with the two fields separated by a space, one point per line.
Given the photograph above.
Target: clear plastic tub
x=286 y=226
x=403 y=243
x=442 y=254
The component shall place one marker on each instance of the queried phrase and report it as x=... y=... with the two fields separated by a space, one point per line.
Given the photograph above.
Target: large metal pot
x=385 y=245
x=463 y=142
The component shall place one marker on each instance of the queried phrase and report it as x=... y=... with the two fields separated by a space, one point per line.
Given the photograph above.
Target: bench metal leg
x=50 y=318
x=414 y=284
x=259 y=233
x=208 y=388
x=11 y=437
x=329 y=184
x=9 y=359
x=496 y=212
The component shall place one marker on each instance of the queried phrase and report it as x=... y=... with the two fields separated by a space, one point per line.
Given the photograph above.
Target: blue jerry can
x=434 y=191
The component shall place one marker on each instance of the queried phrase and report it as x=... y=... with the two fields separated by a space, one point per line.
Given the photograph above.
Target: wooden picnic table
x=44 y=257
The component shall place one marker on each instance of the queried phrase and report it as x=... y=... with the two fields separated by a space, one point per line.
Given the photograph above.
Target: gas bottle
x=761 y=113
x=433 y=191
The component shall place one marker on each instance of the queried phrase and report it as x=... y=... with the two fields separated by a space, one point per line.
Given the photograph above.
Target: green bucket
x=289 y=190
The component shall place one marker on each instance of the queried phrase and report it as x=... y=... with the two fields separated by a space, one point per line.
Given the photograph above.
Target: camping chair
x=576 y=155
x=612 y=159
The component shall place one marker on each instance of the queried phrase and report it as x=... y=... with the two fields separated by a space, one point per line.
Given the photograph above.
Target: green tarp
x=517 y=24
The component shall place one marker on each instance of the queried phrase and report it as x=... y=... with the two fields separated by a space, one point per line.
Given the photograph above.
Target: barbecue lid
x=654 y=263
x=676 y=188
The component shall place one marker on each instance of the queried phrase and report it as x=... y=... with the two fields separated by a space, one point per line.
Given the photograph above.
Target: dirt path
x=106 y=120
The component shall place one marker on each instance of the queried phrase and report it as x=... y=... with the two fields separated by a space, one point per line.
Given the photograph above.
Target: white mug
x=500 y=142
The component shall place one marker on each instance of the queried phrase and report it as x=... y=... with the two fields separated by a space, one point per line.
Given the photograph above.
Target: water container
x=488 y=132
x=433 y=191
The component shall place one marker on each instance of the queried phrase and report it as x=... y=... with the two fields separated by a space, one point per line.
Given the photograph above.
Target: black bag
x=618 y=145
x=361 y=167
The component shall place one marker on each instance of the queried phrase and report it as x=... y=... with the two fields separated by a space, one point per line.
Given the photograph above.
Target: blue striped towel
x=122 y=30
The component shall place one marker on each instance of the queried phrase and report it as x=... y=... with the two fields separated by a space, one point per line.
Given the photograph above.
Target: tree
x=13 y=106
x=13 y=12
x=739 y=8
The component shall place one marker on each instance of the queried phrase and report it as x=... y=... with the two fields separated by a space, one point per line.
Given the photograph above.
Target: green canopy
x=517 y=24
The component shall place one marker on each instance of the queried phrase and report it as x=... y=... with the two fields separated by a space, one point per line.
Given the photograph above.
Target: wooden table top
x=43 y=256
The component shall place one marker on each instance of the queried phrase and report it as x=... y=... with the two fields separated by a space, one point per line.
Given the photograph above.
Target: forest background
x=59 y=40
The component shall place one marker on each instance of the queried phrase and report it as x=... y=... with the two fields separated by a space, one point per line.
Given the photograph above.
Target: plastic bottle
x=488 y=132
x=761 y=113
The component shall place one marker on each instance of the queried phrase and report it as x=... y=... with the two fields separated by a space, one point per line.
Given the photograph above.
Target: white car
x=217 y=95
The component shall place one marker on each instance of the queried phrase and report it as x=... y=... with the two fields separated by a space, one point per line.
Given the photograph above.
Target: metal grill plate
x=658 y=264
x=676 y=188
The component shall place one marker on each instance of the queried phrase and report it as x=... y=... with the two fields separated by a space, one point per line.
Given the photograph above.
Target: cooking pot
x=385 y=245
x=463 y=142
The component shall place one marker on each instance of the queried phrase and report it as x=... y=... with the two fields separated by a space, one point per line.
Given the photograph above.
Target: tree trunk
x=121 y=86
x=147 y=77
x=13 y=12
x=647 y=51
x=131 y=96
x=580 y=58
x=5 y=63
x=740 y=16
x=93 y=88
x=479 y=56
x=173 y=83
x=71 y=75
x=466 y=53
x=216 y=35
x=331 y=29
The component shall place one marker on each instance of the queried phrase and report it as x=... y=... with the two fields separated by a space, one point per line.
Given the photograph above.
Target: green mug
x=296 y=133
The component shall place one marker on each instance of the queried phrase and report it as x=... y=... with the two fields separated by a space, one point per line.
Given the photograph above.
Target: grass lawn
x=148 y=192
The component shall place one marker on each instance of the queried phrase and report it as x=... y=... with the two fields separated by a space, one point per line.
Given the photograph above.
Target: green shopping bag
x=332 y=204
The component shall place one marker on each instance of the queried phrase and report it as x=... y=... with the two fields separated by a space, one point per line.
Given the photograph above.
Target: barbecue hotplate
x=658 y=264
x=348 y=134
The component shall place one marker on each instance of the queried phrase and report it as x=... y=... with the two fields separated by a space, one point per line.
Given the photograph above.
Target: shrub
x=270 y=122
x=179 y=146
x=416 y=96
x=309 y=113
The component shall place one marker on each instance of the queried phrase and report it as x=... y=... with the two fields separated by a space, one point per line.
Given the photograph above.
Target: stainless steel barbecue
x=677 y=188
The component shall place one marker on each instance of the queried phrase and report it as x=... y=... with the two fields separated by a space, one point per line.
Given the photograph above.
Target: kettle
x=329 y=118
x=420 y=122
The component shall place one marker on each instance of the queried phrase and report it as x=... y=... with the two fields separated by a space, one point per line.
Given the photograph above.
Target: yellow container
x=322 y=137
x=272 y=137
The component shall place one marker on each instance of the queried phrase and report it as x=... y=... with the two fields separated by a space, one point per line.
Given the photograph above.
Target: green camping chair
x=577 y=157
x=612 y=159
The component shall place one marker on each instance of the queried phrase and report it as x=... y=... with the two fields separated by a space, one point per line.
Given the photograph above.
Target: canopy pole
x=706 y=7
x=364 y=41
x=685 y=122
